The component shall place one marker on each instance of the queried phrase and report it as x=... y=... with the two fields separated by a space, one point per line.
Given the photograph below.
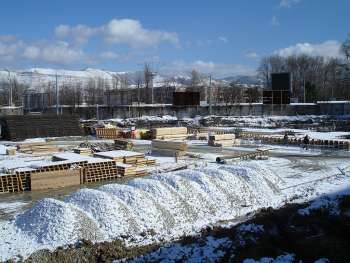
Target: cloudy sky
x=222 y=38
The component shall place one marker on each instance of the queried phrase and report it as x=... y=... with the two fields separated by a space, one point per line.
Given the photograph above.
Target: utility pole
x=10 y=90
x=210 y=95
x=57 y=96
x=304 y=89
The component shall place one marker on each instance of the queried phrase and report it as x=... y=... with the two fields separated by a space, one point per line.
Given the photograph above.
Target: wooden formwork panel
x=55 y=179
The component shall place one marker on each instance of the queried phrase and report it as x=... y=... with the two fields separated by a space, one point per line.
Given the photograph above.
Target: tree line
x=313 y=77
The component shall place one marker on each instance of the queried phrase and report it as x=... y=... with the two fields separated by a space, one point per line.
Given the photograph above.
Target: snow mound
x=160 y=207
x=111 y=214
x=52 y=221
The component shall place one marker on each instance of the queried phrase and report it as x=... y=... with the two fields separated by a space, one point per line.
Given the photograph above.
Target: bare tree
x=148 y=75
x=345 y=48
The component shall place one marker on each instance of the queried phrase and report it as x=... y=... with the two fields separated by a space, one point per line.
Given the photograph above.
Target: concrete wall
x=257 y=109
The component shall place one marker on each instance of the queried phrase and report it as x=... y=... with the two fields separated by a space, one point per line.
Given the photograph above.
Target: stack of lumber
x=37 y=148
x=140 y=172
x=121 y=156
x=83 y=151
x=107 y=133
x=169 y=147
x=123 y=144
x=223 y=140
x=126 y=169
x=175 y=133
x=151 y=161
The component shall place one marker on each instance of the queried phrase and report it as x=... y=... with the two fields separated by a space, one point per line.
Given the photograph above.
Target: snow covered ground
x=164 y=207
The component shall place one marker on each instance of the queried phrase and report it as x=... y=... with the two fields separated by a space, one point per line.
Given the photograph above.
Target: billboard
x=281 y=81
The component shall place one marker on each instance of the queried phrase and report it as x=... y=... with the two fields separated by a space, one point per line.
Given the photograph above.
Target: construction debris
x=175 y=133
x=169 y=148
x=123 y=144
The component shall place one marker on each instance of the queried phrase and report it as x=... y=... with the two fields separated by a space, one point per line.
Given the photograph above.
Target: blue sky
x=219 y=37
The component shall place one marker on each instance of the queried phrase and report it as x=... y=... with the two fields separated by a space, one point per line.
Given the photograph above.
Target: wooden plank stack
x=121 y=156
x=83 y=151
x=123 y=144
x=223 y=140
x=126 y=169
x=151 y=161
x=37 y=148
x=169 y=148
x=174 y=133
x=107 y=133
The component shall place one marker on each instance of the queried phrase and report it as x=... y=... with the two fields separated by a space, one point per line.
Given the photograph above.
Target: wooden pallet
x=107 y=133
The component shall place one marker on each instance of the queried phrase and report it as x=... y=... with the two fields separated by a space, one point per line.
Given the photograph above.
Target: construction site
x=150 y=180
x=174 y=131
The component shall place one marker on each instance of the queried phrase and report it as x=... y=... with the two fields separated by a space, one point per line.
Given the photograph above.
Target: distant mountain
x=249 y=80
x=40 y=78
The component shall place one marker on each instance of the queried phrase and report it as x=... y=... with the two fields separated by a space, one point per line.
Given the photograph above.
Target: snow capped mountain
x=41 y=78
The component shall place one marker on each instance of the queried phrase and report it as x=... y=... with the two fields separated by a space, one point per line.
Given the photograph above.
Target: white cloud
x=207 y=67
x=288 y=3
x=252 y=55
x=109 y=55
x=8 y=38
x=274 y=21
x=328 y=48
x=223 y=39
x=9 y=50
x=53 y=52
x=80 y=33
x=119 y=31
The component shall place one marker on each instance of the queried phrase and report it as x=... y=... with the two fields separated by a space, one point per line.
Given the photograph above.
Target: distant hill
x=40 y=78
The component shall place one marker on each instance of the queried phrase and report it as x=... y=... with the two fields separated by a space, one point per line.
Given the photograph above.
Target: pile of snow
x=160 y=207
x=56 y=222
x=3 y=149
